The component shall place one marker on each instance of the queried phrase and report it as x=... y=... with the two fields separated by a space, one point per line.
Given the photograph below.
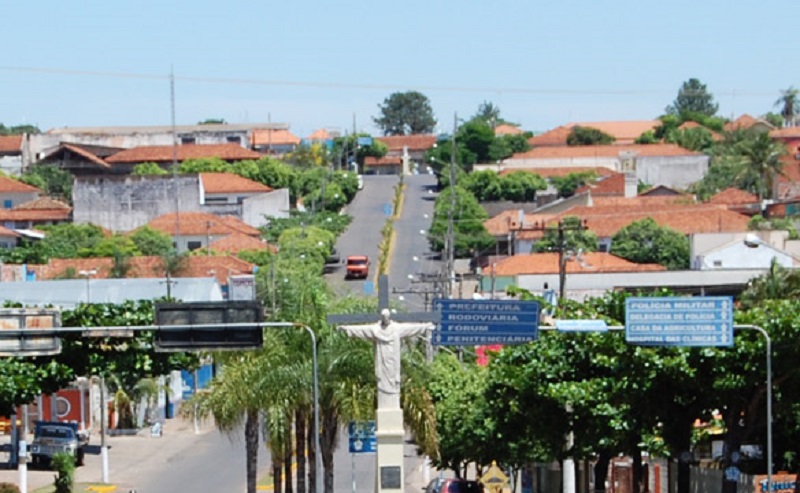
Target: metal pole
x=103 y=428
x=769 y=398
x=317 y=450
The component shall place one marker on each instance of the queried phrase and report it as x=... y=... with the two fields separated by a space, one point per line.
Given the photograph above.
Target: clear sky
x=327 y=64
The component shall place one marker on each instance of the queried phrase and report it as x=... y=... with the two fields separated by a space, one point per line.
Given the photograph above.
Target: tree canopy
x=645 y=242
x=693 y=97
x=588 y=136
x=789 y=106
x=406 y=113
x=471 y=236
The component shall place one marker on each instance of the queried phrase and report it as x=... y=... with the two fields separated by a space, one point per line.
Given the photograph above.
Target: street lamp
x=87 y=274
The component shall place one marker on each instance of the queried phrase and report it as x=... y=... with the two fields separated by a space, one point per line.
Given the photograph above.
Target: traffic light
x=209 y=326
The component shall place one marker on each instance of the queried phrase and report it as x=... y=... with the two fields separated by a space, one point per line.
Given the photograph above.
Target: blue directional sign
x=362 y=437
x=698 y=321
x=480 y=322
x=581 y=326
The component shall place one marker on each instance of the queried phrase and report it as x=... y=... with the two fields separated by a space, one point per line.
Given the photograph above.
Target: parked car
x=51 y=437
x=454 y=485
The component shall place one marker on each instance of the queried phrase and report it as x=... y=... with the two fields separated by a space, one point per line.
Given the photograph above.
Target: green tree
x=151 y=242
x=521 y=186
x=149 y=169
x=760 y=223
x=693 y=97
x=332 y=222
x=52 y=180
x=204 y=165
x=697 y=139
x=471 y=236
x=575 y=237
x=774 y=119
x=761 y=159
x=488 y=113
x=67 y=240
x=568 y=184
x=19 y=129
x=645 y=242
x=647 y=137
x=212 y=121
x=505 y=146
x=588 y=136
x=347 y=154
x=476 y=137
x=484 y=184
x=406 y=113
x=789 y=105
x=110 y=246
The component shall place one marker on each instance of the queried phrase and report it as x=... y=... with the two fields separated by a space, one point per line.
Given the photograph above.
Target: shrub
x=8 y=488
x=64 y=465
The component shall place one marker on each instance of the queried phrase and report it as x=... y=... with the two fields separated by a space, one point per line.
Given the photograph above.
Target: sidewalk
x=128 y=456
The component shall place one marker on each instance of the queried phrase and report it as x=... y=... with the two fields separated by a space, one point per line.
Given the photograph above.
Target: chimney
x=631 y=185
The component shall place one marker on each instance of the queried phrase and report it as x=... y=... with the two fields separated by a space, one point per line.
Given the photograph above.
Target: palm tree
x=776 y=284
x=789 y=106
x=761 y=157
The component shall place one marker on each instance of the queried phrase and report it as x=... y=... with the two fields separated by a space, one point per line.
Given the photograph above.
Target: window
x=234 y=139
x=194 y=245
x=8 y=204
x=718 y=263
x=188 y=140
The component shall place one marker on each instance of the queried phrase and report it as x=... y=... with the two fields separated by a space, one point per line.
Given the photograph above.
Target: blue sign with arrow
x=697 y=321
x=480 y=322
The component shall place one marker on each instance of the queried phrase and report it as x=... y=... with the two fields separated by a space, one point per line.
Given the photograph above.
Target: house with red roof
x=624 y=132
x=123 y=203
x=406 y=154
x=747 y=122
x=11 y=154
x=38 y=212
x=652 y=164
x=507 y=129
x=273 y=141
x=14 y=192
x=198 y=230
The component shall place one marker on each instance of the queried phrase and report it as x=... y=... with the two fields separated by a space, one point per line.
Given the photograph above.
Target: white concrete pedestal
x=390 y=436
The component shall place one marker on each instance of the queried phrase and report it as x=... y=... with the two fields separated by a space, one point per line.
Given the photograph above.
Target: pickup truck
x=357 y=267
x=51 y=437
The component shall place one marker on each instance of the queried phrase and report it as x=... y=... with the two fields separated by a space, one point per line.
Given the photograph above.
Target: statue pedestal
x=390 y=436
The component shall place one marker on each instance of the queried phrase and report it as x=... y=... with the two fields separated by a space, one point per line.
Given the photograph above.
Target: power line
x=377 y=86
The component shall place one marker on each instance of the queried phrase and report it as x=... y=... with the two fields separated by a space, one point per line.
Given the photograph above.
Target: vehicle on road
x=454 y=485
x=51 y=437
x=357 y=267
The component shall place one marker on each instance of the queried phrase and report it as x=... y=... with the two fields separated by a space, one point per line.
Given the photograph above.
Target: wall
x=128 y=202
x=273 y=204
x=17 y=198
x=11 y=165
x=674 y=171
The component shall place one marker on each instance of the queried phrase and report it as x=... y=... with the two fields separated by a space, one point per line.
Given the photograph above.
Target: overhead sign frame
x=209 y=326
x=27 y=332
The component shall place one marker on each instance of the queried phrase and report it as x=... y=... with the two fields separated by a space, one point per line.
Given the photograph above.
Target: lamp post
x=87 y=274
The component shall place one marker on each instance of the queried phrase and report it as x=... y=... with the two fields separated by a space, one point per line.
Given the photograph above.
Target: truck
x=357 y=267
x=51 y=437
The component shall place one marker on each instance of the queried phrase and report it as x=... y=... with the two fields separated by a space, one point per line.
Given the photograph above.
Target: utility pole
x=175 y=160
x=450 y=240
x=561 y=247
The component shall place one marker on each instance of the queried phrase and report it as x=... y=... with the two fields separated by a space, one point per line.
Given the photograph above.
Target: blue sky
x=326 y=64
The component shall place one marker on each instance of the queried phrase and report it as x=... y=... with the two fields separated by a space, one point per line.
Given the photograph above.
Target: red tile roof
x=786 y=133
x=281 y=137
x=35 y=215
x=547 y=263
x=201 y=224
x=220 y=266
x=231 y=183
x=734 y=196
x=744 y=122
x=43 y=203
x=77 y=150
x=506 y=129
x=611 y=185
x=321 y=134
x=8 y=232
x=417 y=142
x=625 y=132
x=11 y=144
x=237 y=242
x=554 y=152
x=383 y=161
x=160 y=154
x=561 y=171
x=10 y=185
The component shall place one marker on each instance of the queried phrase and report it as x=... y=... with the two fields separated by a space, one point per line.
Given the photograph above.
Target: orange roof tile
x=786 y=133
x=556 y=152
x=561 y=171
x=547 y=263
x=8 y=232
x=733 y=196
x=383 y=161
x=144 y=154
x=78 y=151
x=10 y=144
x=322 y=134
x=263 y=137
x=237 y=242
x=220 y=266
x=418 y=142
x=611 y=185
x=43 y=203
x=10 y=185
x=744 y=122
x=201 y=224
x=501 y=224
x=231 y=183
x=506 y=129
x=35 y=215
x=624 y=132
